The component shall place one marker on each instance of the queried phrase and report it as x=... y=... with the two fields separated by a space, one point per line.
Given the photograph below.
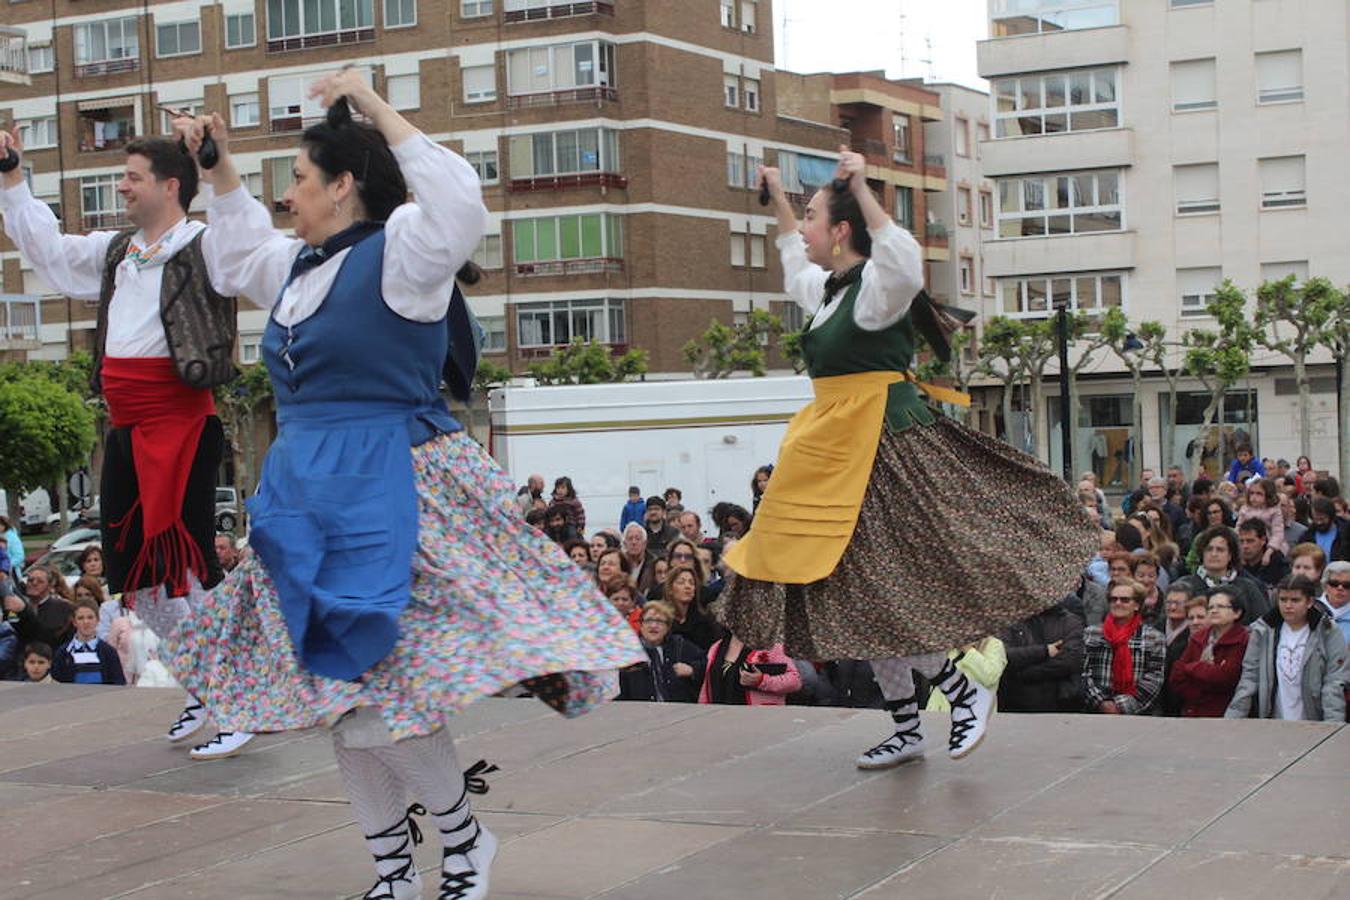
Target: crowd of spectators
x=1206 y=599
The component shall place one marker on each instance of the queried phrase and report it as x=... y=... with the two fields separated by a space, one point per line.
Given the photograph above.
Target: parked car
x=35 y=510
x=227 y=508
x=80 y=535
x=66 y=559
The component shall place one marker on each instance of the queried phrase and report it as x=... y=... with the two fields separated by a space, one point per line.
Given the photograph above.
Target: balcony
x=1059 y=253
x=1052 y=50
x=20 y=321
x=596 y=94
x=107 y=67
x=13 y=55
x=327 y=39
x=103 y=221
x=600 y=265
x=557 y=11
x=566 y=182
x=935 y=164
x=1062 y=152
x=870 y=147
x=292 y=124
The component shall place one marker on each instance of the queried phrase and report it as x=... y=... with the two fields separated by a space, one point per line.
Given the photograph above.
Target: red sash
x=166 y=418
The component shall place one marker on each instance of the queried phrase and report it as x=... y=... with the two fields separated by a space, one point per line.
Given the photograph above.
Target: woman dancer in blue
x=391 y=581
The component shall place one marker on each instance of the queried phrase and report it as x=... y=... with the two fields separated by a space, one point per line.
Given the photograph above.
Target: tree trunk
x=1040 y=420
x=1304 y=404
x=1343 y=416
x=63 y=503
x=1169 y=422
x=1006 y=401
x=1137 y=426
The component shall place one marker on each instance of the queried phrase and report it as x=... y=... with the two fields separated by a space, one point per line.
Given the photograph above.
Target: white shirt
x=1289 y=672
x=426 y=242
x=72 y=264
x=890 y=279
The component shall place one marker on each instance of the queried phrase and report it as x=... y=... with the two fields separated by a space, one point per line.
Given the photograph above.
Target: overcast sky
x=894 y=35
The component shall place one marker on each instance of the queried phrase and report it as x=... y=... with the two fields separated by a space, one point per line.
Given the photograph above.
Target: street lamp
x=1066 y=436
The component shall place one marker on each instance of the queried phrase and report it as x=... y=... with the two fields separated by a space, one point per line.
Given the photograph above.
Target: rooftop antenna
x=928 y=59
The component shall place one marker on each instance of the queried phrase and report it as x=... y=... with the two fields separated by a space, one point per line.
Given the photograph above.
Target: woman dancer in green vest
x=886 y=525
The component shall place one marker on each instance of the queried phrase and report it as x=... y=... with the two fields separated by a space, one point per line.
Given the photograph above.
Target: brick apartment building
x=617 y=143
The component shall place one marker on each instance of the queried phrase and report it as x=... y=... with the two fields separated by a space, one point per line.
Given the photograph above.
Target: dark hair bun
x=339 y=114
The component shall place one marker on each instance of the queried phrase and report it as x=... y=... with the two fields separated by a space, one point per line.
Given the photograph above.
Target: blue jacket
x=1253 y=467
x=9 y=651
x=633 y=511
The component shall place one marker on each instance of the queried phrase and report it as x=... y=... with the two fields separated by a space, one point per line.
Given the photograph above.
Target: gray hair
x=1339 y=567
x=1157 y=481
x=633 y=525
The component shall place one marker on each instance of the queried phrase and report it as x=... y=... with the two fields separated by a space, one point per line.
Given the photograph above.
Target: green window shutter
x=523 y=231
x=591 y=244
x=547 y=236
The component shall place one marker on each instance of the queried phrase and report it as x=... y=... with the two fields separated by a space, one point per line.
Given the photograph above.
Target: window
x=1036 y=205
x=110 y=40
x=196 y=107
x=800 y=171
x=473 y=9
x=1014 y=17
x=253 y=183
x=494 y=333
x=570 y=152
x=982 y=135
x=536 y=70
x=1283 y=182
x=1038 y=296
x=488 y=255
x=901 y=135
x=405 y=91
x=41 y=58
x=963 y=205
x=245 y=110
x=904 y=207
x=1278 y=271
x=757 y=251
x=296 y=18
x=100 y=203
x=106 y=124
x=400 y=13
x=967 y=275
x=1180 y=4
x=737 y=248
x=961 y=139
x=990 y=287
x=280 y=168
x=484 y=162
x=1197 y=188
x=480 y=84
x=1197 y=288
x=731 y=91
x=728 y=13
x=748 y=16
x=289 y=106
x=1082 y=100
x=556 y=238
x=38 y=133
x=1279 y=76
x=1194 y=86
x=743 y=170
x=241 y=30
x=563 y=321
x=986 y=209
x=178 y=39
x=750 y=86
x=250 y=349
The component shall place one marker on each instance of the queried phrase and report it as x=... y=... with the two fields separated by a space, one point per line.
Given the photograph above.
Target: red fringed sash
x=166 y=419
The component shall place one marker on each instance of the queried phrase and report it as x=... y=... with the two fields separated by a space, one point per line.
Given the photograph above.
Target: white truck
x=705 y=437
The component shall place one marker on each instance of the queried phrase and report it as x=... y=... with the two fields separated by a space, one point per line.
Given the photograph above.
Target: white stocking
x=895 y=674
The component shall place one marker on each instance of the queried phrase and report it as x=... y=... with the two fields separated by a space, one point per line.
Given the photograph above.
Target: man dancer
x=165 y=337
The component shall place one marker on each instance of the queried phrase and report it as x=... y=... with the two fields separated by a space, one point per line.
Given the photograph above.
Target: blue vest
x=335 y=516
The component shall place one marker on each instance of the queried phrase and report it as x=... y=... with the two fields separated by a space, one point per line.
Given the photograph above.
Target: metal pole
x=1065 y=424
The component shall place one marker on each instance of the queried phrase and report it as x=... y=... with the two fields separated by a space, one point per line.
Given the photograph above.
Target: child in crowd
x=85 y=659
x=37 y=663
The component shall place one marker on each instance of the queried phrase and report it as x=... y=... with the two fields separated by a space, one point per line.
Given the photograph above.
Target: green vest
x=840 y=347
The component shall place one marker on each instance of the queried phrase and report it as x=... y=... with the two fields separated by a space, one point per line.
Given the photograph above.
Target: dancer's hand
x=192 y=130
x=9 y=140
x=771 y=176
x=852 y=168
x=349 y=82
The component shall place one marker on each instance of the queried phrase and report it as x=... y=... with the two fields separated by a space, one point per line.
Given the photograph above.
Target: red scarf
x=166 y=418
x=1122 y=661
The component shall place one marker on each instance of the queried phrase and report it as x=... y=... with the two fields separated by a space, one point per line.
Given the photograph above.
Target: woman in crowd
x=624 y=599
x=579 y=552
x=1208 y=671
x=1220 y=565
x=389 y=581
x=759 y=484
x=681 y=553
x=732 y=521
x=1307 y=560
x=602 y=541
x=1123 y=657
x=1304 y=476
x=565 y=495
x=674 y=669
x=1263 y=502
x=611 y=565
x=1295 y=661
x=91 y=564
x=1144 y=568
x=692 y=621
x=1218 y=512
x=836 y=565
x=739 y=676
x=1176 y=626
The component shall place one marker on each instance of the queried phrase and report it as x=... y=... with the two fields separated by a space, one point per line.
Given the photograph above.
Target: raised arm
x=803 y=280
x=71 y=263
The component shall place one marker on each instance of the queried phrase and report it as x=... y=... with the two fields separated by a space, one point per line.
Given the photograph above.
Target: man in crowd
x=1176 y=480
x=659 y=531
x=226 y=553
x=1260 y=560
x=1045 y=662
x=1295 y=532
x=1329 y=531
x=1157 y=489
x=43 y=616
x=640 y=559
x=691 y=527
x=532 y=491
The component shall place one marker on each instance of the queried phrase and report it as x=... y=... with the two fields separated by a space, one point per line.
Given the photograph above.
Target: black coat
x=699 y=629
x=1034 y=681
x=49 y=623
x=641 y=682
x=1169 y=704
x=1271 y=573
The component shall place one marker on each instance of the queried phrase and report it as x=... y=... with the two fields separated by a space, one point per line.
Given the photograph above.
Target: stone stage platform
x=689 y=802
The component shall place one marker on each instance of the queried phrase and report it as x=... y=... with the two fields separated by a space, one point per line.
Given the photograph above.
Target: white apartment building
x=1141 y=152
x=966 y=208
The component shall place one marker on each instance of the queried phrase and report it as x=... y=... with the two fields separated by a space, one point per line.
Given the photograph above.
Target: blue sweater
x=633 y=511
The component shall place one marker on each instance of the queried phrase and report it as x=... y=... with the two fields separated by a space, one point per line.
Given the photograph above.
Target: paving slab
x=649 y=801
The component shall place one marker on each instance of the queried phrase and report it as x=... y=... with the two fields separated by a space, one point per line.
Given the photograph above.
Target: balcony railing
x=570 y=267
x=20 y=319
x=13 y=55
x=935 y=234
x=596 y=94
x=104 y=220
x=327 y=39
x=107 y=67
x=870 y=147
x=557 y=11
x=290 y=124
x=567 y=182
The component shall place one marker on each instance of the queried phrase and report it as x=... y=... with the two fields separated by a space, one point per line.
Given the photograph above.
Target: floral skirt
x=494 y=604
x=959 y=536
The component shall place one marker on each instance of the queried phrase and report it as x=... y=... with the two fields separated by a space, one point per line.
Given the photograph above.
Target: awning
x=105 y=103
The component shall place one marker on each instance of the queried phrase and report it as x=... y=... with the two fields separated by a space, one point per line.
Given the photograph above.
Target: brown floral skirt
x=959 y=536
